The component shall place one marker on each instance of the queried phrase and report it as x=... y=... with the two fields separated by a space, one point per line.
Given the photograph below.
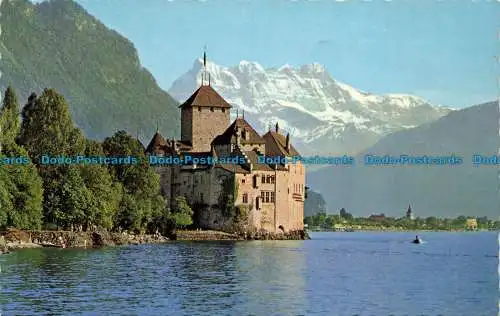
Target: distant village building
x=409 y=213
x=471 y=224
x=377 y=217
x=273 y=193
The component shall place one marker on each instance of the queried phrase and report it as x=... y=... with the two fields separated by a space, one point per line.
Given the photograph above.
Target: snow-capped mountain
x=322 y=115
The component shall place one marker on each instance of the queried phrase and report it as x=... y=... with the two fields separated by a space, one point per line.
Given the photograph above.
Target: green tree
x=10 y=122
x=345 y=215
x=76 y=204
x=482 y=222
x=22 y=184
x=141 y=201
x=329 y=222
x=432 y=222
x=26 y=193
x=47 y=129
x=319 y=219
x=5 y=196
x=106 y=194
x=182 y=214
x=459 y=222
x=496 y=225
x=309 y=221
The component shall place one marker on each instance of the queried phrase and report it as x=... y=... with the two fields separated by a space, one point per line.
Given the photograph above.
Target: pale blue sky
x=441 y=50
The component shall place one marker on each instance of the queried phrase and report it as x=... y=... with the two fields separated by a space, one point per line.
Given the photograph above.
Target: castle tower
x=204 y=116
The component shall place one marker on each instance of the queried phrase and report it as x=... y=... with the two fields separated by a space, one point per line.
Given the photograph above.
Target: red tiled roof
x=156 y=144
x=205 y=96
x=276 y=145
x=229 y=135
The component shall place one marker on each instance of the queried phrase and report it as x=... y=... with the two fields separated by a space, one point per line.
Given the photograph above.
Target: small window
x=245 y=198
x=242 y=180
x=201 y=197
x=223 y=110
x=268 y=179
x=263 y=179
x=262 y=196
x=211 y=109
x=199 y=109
x=273 y=197
x=267 y=197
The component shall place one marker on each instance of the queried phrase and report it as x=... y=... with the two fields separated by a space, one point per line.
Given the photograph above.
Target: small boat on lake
x=417 y=240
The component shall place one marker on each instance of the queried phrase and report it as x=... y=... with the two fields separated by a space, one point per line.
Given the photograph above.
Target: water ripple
x=338 y=274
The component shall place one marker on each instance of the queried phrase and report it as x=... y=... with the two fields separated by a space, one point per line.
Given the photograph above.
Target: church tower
x=409 y=214
x=204 y=115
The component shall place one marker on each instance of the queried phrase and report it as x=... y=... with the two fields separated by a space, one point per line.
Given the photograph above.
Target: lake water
x=332 y=274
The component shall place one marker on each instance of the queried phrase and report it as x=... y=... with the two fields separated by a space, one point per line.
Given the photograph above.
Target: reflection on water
x=281 y=266
x=333 y=274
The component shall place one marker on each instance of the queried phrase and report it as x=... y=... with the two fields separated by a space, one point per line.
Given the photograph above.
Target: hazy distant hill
x=314 y=204
x=439 y=190
x=58 y=44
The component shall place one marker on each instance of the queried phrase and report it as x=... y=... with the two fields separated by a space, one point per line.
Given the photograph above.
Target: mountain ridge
x=322 y=114
x=96 y=68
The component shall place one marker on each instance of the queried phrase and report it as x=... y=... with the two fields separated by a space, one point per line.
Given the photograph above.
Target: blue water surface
x=332 y=274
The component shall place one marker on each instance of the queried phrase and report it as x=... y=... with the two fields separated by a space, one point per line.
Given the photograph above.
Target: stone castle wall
x=206 y=125
x=186 y=124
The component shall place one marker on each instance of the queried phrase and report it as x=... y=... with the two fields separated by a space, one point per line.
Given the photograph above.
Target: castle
x=272 y=194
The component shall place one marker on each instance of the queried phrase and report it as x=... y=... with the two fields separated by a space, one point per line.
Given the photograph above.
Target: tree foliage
x=329 y=221
x=141 y=202
x=20 y=184
x=182 y=214
x=73 y=195
x=345 y=215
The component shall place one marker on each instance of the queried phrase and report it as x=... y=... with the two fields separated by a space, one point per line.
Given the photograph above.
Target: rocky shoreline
x=18 y=239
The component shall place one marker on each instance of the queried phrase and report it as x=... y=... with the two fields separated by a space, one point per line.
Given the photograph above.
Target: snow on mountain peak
x=250 y=67
x=285 y=67
x=312 y=68
x=324 y=114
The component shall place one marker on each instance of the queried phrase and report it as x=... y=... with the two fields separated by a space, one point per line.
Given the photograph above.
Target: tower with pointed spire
x=409 y=213
x=204 y=115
